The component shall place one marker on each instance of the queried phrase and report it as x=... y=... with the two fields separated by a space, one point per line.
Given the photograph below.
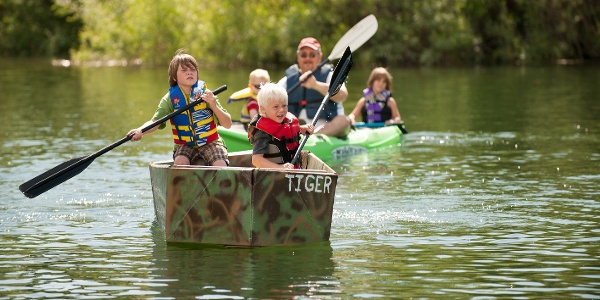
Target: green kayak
x=359 y=140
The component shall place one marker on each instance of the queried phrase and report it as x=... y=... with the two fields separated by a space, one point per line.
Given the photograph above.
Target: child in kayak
x=257 y=78
x=195 y=130
x=275 y=133
x=377 y=104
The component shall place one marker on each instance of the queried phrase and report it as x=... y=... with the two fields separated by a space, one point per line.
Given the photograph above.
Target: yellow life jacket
x=243 y=95
x=196 y=126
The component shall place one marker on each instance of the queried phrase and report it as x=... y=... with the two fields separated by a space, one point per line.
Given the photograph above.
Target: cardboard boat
x=244 y=206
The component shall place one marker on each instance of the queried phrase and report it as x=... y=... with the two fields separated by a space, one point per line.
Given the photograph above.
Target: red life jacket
x=285 y=137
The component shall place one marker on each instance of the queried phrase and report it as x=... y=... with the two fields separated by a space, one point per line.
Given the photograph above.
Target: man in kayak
x=275 y=133
x=304 y=101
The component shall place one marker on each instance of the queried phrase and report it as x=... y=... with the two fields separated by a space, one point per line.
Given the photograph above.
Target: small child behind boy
x=275 y=133
x=257 y=78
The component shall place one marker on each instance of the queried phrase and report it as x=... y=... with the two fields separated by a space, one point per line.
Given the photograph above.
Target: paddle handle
x=297 y=84
x=369 y=125
x=381 y=124
x=300 y=149
x=156 y=123
x=173 y=114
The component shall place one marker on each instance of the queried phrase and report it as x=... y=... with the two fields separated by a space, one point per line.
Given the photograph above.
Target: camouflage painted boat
x=358 y=141
x=244 y=206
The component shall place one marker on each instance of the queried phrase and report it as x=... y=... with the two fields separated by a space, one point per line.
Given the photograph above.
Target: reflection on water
x=240 y=273
x=493 y=194
x=482 y=218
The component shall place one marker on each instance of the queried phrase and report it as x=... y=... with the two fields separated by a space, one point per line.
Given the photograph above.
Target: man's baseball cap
x=309 y=42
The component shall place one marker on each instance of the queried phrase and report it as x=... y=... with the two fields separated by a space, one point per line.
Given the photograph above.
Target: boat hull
x=358 y=141
x=244 y=206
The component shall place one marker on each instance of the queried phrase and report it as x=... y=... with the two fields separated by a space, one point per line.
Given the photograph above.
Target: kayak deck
x=360 y=140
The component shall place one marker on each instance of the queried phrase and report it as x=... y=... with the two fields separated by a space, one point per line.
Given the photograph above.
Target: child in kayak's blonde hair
x=256 y=79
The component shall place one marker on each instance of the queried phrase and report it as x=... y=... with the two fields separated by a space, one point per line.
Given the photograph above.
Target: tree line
x=231 y=33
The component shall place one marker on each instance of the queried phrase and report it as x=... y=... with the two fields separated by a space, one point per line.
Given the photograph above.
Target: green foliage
x=38 y=27
x=265 y=33
x=426 y=32
x=537 y=31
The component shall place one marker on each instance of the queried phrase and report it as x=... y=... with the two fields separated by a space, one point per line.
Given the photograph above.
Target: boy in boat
x=377 y=104
x=275 y=133
x=257 y=78
x=195 y=130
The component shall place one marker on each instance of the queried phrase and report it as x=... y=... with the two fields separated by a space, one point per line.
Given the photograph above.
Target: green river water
x=494 y=193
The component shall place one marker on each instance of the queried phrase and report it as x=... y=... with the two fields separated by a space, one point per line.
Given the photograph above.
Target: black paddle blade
x=402 y=127
x=55 y=176
x=340 y=72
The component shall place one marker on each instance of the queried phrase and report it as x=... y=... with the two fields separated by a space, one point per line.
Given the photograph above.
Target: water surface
x=493 y=194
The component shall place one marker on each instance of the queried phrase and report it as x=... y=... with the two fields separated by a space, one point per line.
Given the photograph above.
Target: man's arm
x=322 y=87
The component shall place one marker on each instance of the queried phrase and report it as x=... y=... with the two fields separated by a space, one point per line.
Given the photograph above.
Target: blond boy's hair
x=271 y=92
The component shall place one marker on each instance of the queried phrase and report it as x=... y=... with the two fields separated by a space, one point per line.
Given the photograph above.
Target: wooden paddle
x=381 y=124
x=337 y=79
x=66 y=170
x=354 y=38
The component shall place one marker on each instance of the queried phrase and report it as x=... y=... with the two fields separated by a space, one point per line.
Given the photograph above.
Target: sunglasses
x=310 y=54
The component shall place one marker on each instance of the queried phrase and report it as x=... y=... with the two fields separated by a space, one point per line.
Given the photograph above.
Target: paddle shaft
x=67 y=170
x=339 y=75
x=156 y=123
x=313 y=123
x=380 y=124
x=297 y=84
x=369 y=125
